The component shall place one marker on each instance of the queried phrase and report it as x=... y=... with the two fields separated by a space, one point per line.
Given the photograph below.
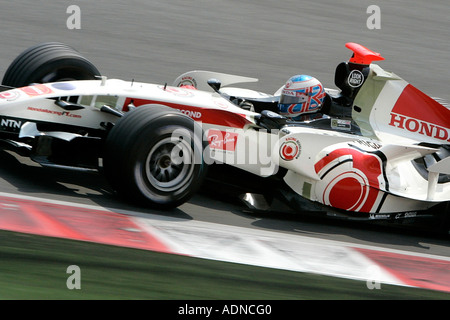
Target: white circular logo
x=355 y=79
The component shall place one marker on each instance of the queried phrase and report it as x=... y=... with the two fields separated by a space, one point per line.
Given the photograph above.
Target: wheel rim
x=169 y=164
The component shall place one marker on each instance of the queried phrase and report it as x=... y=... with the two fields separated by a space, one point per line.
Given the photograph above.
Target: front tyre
x=48 y=62
x=154 y=156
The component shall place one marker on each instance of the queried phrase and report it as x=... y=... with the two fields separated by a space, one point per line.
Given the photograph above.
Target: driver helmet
x=300 y=95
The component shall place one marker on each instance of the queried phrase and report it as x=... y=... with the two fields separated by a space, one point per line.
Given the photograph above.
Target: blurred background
x=155 y=41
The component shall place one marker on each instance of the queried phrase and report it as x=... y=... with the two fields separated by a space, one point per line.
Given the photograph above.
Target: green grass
x=34 y=267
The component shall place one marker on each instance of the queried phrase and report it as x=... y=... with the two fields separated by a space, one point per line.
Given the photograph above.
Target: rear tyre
x=48 y=62
x=154 y=156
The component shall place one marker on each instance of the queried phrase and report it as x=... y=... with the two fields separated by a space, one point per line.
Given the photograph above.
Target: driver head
x=300 y=95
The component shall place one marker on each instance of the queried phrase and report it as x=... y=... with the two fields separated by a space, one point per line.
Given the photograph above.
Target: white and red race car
x=383 y=153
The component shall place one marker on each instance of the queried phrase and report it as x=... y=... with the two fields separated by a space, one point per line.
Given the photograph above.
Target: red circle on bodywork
x=289 y=150
x=346 y=194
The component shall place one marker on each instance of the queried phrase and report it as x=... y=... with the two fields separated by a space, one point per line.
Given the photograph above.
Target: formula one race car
x=384 y=154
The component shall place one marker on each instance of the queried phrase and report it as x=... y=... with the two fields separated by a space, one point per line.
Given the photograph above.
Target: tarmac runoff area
x=374 y=265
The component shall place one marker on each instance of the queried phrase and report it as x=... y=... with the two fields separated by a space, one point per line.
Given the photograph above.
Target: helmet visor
x=293 y=97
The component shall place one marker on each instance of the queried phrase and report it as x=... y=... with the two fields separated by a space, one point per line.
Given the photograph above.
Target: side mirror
x=215 y=84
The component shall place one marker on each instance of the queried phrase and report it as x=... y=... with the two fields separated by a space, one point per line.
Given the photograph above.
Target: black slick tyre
x=154 y=156
x=48 y=62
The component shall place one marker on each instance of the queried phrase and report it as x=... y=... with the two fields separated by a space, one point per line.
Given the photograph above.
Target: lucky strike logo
x=419 y=126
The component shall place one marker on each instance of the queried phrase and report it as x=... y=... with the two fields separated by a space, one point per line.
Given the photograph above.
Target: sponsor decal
x=58 y=113
x=64 y=86
x=222 y=140
x=187 y=81
x=369 y=144
x=419 y=126
x=373 y=216
x=406 y=215
x=36 y=90
x=290 y=149
x=355 y=79
x=10 y=95
x=205 y=115
x=10 y=125
x=416 y=112
x=341 y=124
x=196 y=115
